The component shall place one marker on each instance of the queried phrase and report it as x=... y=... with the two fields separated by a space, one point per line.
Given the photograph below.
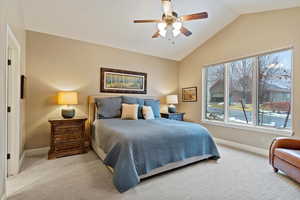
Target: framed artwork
x=189 y=94
x=23 y=79
x=122 y=81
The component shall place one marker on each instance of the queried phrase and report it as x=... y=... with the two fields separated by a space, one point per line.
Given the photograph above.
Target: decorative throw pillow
x=108 y=107
x=133 y=100
x=155 y=105
x=148 y=113
x=130 y=111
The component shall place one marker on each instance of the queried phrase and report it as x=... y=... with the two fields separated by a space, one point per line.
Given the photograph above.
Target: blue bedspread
x=135 y=147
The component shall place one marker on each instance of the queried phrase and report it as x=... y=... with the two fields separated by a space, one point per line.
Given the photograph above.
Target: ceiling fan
x=171 y=22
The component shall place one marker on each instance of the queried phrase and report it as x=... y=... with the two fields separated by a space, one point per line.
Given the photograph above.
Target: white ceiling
x=109 y=22
x=252 y=6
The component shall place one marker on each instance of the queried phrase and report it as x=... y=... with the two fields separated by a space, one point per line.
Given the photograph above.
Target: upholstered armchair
x=285 y=156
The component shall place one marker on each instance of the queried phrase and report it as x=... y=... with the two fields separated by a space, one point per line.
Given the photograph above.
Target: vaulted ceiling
x=110 y=22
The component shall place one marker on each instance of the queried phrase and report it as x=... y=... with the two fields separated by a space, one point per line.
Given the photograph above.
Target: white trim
x=250 y=128
x=292 y=90
x=15 y=119
x=255 y=92
x=252 y=149
x=203 y=113
x=226 y=92
x=37 y=151
x=3 y=99
x=3 y=197
x=21 y=160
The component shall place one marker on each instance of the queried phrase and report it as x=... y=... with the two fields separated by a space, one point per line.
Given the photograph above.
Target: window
x=215 y=93
x=255 y=91
x=240 y=90
x=274 y=90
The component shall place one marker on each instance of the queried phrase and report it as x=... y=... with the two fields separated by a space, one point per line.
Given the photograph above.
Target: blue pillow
x=109 y=107
x=155 y=105
x=133 y=100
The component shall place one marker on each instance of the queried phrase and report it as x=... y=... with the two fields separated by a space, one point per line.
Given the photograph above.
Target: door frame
x=14 y=162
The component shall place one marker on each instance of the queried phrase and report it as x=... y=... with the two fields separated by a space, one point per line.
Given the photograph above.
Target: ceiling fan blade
x=147 y=21
x=185 y=31
x=195 y=16
x=167 y=7
x=156 y=35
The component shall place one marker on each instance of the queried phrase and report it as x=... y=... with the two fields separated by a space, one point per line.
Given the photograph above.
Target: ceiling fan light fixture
x=161 y=26
x=176 y=32
x=163 y=33
x=171 y=24
x=177 y=25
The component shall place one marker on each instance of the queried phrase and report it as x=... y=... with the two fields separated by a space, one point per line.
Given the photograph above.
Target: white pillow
x=130 y=111
x=148 y=112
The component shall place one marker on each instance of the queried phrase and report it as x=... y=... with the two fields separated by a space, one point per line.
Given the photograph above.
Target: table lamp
x=68 y=98
x=171 y=100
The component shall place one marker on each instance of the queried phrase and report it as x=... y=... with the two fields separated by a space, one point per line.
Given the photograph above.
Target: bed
x=137 y=149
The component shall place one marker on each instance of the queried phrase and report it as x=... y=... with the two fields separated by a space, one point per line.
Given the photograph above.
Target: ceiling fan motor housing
x=170 y=19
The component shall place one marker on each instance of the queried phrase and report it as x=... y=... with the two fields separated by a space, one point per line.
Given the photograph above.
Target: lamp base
x=68 y=113
x=172 y=109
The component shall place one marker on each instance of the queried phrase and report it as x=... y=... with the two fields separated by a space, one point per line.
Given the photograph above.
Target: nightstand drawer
x=68 y=146
x=67 y=131
x=77 y=136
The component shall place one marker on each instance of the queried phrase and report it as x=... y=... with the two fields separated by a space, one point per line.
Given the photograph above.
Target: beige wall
x=248 y=35
x=56 y=63
x=11 y=14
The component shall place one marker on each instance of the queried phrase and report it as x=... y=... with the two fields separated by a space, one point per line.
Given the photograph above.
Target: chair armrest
x=282 y=142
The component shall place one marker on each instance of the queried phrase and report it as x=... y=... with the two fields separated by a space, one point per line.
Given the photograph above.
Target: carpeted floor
x=236 y=176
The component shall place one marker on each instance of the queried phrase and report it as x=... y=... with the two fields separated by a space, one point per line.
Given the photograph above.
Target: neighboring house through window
x=255 y=91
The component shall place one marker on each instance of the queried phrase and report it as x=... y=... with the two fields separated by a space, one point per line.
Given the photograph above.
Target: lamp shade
x=172 y=99
x=67 y=98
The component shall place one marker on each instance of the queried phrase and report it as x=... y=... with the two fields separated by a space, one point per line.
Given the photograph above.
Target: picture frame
x=122 y=81
x=23 y=82
x=189 y=94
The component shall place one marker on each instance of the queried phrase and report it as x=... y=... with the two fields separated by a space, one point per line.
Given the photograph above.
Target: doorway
x=13 y=101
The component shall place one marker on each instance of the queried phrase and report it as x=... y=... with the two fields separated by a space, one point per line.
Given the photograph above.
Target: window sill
x=266 y=130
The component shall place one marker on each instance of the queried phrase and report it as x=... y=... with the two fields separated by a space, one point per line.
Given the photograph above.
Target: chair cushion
x=289 y=155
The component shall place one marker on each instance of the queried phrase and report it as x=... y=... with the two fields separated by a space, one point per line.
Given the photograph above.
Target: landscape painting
x=122 y=81
x=189 y=94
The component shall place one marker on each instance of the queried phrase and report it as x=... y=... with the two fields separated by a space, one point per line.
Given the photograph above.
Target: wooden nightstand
x=67 y=137
x=173 y=116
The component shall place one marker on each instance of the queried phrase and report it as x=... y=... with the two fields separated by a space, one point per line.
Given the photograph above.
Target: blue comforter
x=135 y=147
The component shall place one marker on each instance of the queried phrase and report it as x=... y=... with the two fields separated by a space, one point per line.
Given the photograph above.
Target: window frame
x=241 y=126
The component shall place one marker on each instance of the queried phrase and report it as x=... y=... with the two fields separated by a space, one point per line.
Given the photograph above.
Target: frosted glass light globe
x=177 y=25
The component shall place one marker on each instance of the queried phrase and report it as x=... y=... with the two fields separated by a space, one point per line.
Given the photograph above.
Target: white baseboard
x=256 y=150
x=3 y=197
x=38 y=151
x=21 y=160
